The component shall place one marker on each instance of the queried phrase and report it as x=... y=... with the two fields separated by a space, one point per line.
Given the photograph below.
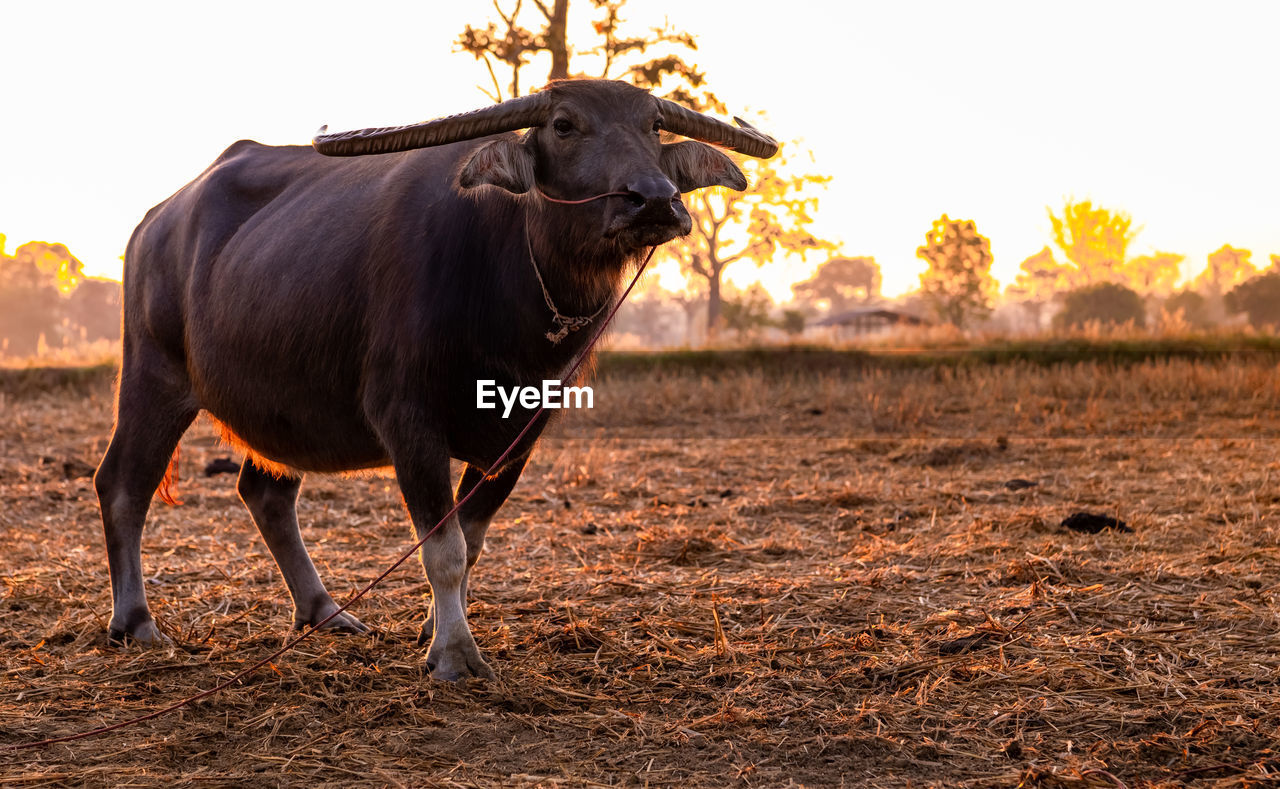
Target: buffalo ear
x=692 y=165
x=504 y=163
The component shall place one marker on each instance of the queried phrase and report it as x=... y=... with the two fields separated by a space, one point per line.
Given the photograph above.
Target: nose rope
x=544 y=196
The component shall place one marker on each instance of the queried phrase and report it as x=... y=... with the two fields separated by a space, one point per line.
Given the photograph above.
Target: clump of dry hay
x=754 y=610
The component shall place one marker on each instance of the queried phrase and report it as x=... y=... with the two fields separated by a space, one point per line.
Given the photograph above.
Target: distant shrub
x=1259 y=298
x=792 y=322
x=1107 y=303
x=1192 y=306
x=746 y=313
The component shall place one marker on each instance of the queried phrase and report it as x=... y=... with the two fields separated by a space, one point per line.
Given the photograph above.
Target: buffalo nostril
x=652 y=191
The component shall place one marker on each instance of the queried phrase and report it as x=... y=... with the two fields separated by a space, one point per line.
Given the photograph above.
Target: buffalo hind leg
x=153 y=409
x=273 y=502
x=475 y=517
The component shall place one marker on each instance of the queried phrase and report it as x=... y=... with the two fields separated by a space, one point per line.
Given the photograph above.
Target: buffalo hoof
x=473 y=667
x=144 y=634
x=457 y=661
x=342 y=623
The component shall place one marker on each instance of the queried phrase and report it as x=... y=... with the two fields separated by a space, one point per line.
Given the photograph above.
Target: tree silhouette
x=1227 y=267
x=28 y=308
x=958 y=285
x=1191 y=306
x=841 y=283
x=93 y=309
x=688 y=83
x=1095 y=240
x=747 y=312
x=692 y=301
x=1039 y=281
x=792 y=322
x=45 y=295
x=1108 y=303
x=511 y=45
x=1259 y=298
x=33 y=284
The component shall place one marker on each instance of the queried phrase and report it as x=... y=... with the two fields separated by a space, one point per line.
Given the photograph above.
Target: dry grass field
x=845 y=578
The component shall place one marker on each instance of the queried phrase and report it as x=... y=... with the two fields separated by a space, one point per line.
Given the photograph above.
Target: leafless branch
x=497 y=89
x=510 y=20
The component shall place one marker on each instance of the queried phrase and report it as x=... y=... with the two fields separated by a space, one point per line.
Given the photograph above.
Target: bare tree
x=509 y=44
x=773 y=215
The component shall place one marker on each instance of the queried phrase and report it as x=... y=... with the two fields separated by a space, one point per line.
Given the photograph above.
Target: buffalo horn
x=522 y=113
x=518 y=113
x=745 y=138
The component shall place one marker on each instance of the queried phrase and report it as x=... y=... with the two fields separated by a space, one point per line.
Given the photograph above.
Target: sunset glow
x=990 y=112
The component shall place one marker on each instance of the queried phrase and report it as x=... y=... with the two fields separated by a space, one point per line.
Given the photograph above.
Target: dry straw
x=863 y=603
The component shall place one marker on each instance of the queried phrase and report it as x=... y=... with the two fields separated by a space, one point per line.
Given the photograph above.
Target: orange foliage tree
x=1155 y=275
x=1095 y=240
x=44 y=296
x=958 y=284
x=1228 y=267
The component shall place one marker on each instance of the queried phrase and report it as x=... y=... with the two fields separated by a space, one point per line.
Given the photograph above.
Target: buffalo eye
x=657 y=126
x=563 y=127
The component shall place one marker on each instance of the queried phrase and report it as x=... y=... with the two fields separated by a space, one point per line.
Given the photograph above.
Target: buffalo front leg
x=424 y=482
x=273 y=503
x=153 y=410
x=474 y=517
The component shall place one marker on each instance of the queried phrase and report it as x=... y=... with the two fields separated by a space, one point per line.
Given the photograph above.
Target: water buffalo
x=333 y=311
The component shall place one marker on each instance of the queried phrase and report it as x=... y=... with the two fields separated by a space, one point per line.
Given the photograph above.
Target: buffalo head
x=585 y=138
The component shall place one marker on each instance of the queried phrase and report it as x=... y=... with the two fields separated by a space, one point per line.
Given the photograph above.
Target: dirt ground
x=844 y=581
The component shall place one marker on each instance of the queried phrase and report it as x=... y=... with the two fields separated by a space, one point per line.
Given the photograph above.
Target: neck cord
x=563 y=323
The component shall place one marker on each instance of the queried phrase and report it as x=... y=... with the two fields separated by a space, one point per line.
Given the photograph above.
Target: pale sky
x=985 y=111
